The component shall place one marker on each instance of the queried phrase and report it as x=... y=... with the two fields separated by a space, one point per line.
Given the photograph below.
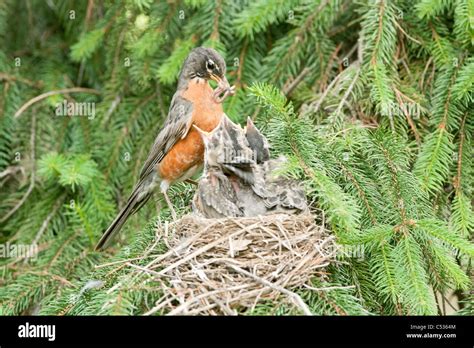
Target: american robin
x=177 y=152
x=215 y=196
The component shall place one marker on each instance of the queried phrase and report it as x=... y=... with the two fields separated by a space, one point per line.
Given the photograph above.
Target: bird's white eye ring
x=210 y=65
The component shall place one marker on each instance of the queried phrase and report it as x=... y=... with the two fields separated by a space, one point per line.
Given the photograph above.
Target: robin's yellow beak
x=222 y=83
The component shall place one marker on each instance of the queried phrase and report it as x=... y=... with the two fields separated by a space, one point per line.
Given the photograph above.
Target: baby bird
x=257 y=142
x=215 y=196
x=239 y=177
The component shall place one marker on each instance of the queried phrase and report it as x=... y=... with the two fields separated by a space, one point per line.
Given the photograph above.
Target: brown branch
x=348 y=92
x=45 y=223
x=326 y=92
x=422 y=79
x=63 y=245
x=457 y=179
x=288 y=90
x=406 y=34
x=215 y=26
x=50 y=93
x=7 y=77
x=238 y=83
x=10 y=171
x=410 y=120
x=373 y=59
x=325 y=76
x=89 y=12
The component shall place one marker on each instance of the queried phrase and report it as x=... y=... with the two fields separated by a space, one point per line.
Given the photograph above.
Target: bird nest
x=227 y=266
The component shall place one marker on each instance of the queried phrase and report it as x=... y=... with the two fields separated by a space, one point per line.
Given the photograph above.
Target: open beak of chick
x=223 y=89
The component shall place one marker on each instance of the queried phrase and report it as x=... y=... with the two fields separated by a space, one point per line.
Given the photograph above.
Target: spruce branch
x=33 y=172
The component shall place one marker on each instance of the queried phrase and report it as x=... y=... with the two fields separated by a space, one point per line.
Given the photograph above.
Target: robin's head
x=206 y=63
x=213 y=145
x=257 y=141
x=238 y=152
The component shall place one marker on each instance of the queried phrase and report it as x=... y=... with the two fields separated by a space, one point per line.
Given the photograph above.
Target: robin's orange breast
x=189 y=152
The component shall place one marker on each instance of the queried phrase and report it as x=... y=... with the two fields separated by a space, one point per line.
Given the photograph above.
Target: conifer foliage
x=371 y=102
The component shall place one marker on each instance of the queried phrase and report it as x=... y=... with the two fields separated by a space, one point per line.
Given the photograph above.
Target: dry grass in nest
x=221 y=266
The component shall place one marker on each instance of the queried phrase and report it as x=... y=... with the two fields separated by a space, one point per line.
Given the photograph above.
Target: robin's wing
x=176 y=127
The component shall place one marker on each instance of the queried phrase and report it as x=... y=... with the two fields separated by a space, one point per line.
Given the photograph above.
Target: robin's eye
x=210 y=65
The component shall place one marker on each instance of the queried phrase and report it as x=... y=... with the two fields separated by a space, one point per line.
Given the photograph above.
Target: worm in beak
x=223 y=89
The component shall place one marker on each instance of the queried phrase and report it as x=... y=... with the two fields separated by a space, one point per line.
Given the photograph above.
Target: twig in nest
x=294 y=296
x=201 y=250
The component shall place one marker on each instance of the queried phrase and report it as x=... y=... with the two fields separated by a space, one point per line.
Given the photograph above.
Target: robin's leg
x=170 y=205
x=164 y=189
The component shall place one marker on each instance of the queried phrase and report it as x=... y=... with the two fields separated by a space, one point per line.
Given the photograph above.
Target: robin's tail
x=135 y=202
